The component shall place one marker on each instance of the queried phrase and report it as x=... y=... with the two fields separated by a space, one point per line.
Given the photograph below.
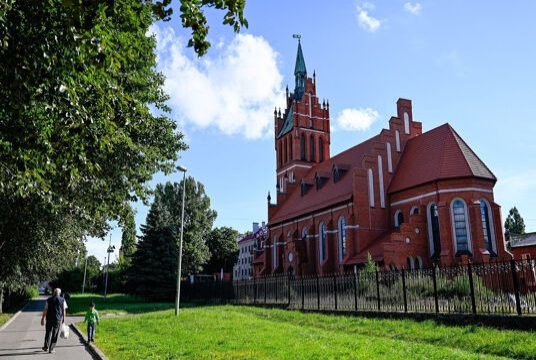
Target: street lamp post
x=177 y=300
x=110 y=250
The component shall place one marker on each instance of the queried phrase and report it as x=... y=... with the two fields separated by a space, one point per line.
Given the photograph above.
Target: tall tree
x=223 y=245
x=77 y=99
x=514 y=224
x=83 y=120
x=128 y=239
x=153 y=272
x=198 y=220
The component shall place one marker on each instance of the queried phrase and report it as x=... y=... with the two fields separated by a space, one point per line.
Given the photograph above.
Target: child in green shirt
x=92 y=319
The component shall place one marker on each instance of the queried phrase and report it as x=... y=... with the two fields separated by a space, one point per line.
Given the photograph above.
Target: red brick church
x=409 y=199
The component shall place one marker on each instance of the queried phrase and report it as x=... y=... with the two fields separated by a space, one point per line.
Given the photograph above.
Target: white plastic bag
x=64 y=334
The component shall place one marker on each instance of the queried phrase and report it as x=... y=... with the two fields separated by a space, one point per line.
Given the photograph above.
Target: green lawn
x=237 y=332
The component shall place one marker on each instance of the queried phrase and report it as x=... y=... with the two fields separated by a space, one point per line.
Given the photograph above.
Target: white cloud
x=415 y=9
x=366 y=21
x=356 y=119
x=234 y=88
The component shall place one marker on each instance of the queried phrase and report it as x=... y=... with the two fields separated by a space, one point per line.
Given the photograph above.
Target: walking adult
x=54 y=313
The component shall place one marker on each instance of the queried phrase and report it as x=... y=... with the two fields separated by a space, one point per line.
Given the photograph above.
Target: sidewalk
x=22 y=337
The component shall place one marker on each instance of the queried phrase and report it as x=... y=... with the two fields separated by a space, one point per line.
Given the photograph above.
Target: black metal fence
x=492 y=288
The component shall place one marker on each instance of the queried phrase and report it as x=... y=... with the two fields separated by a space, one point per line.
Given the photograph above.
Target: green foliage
x=153 y=273
x=514 y=224
x=198 y=220
x=223 y=245
x=128 y=240
x=78 y=129
x=370 y=265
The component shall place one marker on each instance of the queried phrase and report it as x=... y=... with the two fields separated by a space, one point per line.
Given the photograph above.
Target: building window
x=321 y=243
x=414 y=210
x=406 y=122
x=302 y=147
x=312 y=148
x=380 y=178
x=304 y=233
x=399 y=218
x=397 y=138
x=419 y=263
x=489 y=238
x=433 y=231
x=410 y=262
x=371 y=187
x=389 y=158
x=320 y=149
x=461 y=231
x=274 y=253
x=280 y=154
x=342 y=239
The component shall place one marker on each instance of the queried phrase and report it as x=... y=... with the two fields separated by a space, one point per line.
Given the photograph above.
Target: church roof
x=288 y=124
x=330 y=192
x=299 y=68
x=437 y=154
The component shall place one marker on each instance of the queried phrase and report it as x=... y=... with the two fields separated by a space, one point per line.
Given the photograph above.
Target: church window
x=489 y=238
x=389 y=158
x=302 y=147
x=434 y=235
x=414 y=210
x=371 y=187
x=312 y=148
x=399 y=218
x=280 y=154
x=397 y=138
x=380 y=177
x=406 y=122
x=274 y=253
x=322 y=243
x=410 y=263
x=304 y=233
x=342 y=239
x=461 y=227
x=320 y=149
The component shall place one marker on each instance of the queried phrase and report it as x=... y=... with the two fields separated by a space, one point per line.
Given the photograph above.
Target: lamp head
x=182 y=168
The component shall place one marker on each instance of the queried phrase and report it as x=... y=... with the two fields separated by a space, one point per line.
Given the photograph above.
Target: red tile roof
x=437 y=154
x=330 y=193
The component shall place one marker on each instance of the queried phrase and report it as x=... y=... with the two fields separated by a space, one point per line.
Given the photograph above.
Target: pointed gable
x=437 y=154
x=310 y=198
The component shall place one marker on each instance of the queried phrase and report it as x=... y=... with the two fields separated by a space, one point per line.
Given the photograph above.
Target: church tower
x=302 y=133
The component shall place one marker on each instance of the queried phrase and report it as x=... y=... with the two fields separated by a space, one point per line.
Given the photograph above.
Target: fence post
x=254 y=290
x=471 y=287
x=335 y=289
x=265 y=289
x=435 y=289
x=516 y=285
x=355 y=291
x=302 y=293
x=378 y=289
x=288 y=287
x=318 y=291
x=404 y=290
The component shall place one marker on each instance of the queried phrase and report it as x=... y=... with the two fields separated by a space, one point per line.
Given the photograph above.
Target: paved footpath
x=22 y=337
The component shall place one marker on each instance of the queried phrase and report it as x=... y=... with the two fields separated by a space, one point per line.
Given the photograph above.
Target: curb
x=14 y=316
x=94 y=350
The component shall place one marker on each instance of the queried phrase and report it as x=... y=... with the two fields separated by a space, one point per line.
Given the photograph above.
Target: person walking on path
x=92 y=319
x=54 y=313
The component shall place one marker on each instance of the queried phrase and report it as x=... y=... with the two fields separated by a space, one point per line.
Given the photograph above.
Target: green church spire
x=300 y=72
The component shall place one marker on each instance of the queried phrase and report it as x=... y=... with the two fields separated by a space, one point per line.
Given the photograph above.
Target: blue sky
x=468 y=63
